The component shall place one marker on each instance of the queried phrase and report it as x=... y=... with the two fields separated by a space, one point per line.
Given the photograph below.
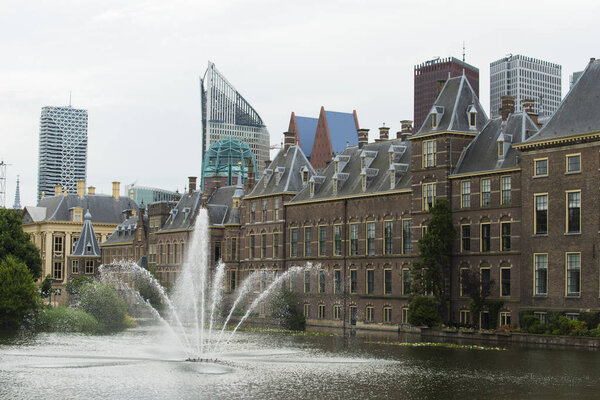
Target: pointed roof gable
x=305 y=129
x=343 y=130
x=87 y=244
x=453 y=105
x=578 y=113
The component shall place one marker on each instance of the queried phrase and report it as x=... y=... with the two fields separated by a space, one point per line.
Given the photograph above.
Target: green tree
x=431 y=274
x=285 y=308
x=423 y=311
x=103 y=303
x=18 y=294
x=46 y=287
x=14 y=241
x=472 y=286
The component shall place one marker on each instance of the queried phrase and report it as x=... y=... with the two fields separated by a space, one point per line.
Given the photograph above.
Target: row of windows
x=264 y=210
x=485 y=197
x=572 y=274
x=485 y=237
x=353 y=281
x=486 y=281
x=484 y=323
x=572 y=165
x=572 y=212
x=336 y=313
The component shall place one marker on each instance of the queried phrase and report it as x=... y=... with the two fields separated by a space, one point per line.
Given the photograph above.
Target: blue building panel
x=307 y=127
x=342 y=130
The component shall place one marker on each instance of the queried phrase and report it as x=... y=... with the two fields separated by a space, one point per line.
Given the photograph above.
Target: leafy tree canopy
x=18 y=294
x=15 y=242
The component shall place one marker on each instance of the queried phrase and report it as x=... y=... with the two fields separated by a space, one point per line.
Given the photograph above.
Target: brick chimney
x=406 y=129
x=81 y=188
x=251 y=179
x=527 y=105
x=384 y=133
x=508 y=106
x=440 y=85
x=267 y=163
x=289 y=139
x=91 y=190
x=191 y=183
x=116 y=190
x=57 y=190
x=363 y=137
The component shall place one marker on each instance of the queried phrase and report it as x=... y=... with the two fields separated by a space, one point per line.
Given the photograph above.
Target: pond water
x=143 y=363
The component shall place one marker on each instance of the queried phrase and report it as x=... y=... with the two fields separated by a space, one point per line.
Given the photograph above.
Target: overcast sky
x=135 y=66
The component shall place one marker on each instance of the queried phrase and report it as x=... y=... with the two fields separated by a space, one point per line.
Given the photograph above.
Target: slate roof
x=220 y=204
x=290 y=163
x=104 y=208
x=377 y=170
x=453 y=104
x=579 y=112
x=125 y=232
x=342 y=130
x=87 y=245
x=482 y=153
x=307 y=127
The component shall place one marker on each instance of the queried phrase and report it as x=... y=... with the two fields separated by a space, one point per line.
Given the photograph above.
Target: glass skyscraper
x=62 y=149
x=225 y=113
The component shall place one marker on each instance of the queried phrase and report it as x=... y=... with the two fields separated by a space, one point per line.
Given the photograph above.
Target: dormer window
x=472 y=115
x=434 y=120
x=305 y=176
x=500 y=149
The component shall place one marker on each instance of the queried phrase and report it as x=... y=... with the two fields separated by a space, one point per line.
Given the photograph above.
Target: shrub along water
x=103 y=303
x=65 y=319
x=558 y=324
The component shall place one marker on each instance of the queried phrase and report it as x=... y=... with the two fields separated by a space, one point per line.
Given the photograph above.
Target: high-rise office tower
x=427 y=76
x=225 y=113
x=525 y=78
x=63 y=148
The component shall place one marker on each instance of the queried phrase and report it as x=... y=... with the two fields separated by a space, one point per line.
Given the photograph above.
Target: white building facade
x=525 y=78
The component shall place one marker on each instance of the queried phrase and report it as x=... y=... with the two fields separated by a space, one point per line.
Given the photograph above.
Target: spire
x=87 y=244
x=17 y=205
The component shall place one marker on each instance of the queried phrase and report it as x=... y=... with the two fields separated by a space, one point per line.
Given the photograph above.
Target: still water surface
x=142 y=364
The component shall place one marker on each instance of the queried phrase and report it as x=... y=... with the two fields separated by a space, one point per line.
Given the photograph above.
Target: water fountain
x=192 y=312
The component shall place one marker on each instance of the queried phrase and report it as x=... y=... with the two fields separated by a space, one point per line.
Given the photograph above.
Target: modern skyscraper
x=63 y=148
x=574 y=78
x=525 y=78
x=427 y=76
x=225 y=113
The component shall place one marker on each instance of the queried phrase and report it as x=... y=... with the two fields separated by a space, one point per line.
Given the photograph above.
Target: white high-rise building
x=63 y=149
x=525 y=78
x=225 y=113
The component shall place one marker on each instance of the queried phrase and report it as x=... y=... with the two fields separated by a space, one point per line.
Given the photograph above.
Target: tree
x=285 y=309
x=478 y=292
x=14 y=241
x=18 y=294
x=431 y=274
x=46 y=287
x=102 y=302
x=423 y=311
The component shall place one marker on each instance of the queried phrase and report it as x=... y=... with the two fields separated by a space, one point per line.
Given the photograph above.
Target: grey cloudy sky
x=135 y=66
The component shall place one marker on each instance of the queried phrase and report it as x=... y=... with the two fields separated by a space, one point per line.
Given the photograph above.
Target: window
x=337 y=279
x=387 y=281
x=387 y=315
x=541 y=274
x=337 y=312
x=506 y=190
x=500 y=149
x=57 y=270
x=370 y=238
x=232 y=280
x=504 y=281
x=505 y=227
x=252 y=246
x=321 y=281
x=434 y=120
x=370 y=281
x=354 y=239
x=263 y=280
x=540 y=167
x=276 y=245
x=322 y=240
x=428 y=195
x=463 y=280
x=75 y=266
x=574 y=163
x=573 y=274
x=253 y=212
x=406 y=236
x=485 y=237
x=321 y=311
x=264 y=210
x=486 y=190
x=89 y=266
x=472 y=119
x=277 y=209
x=465 y=194
x=405 y=281
x=504 y=318
x=574 y=212
x=465 y=317
x=58 y=244
x=293 y=280
x=306 y=282
x=353 y=280
x=294 y=242
x=233 y=249
x=541 y=214
x=465 y=237
x=404 y=318
x=306 y=311
x=389 y=237
x=543 y=317
x=307 y=240
x=369 y=314
x=485 y=281
x=429 y=150
x=337 y=230
x=263 y=245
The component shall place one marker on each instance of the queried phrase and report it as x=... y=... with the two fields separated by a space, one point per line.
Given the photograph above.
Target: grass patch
x=444 y=345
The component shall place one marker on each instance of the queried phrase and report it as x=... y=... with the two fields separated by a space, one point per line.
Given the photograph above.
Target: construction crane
x=3 y=184
x=275 y=147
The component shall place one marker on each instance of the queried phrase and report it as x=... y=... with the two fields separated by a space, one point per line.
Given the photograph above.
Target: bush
x=423 y=311
x=285 y=309
x=527 y=321
x=537 y=328
x=577 y=328
x=65 y=319
x=102 y=302
x=14 y=242
x=149 y=292
x=75 y=285
x=590 y=318
x=18 y=294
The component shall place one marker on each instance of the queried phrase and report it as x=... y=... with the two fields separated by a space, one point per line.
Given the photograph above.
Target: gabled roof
x=220 y=204
x=453 y=104
x=289 y=162
x=307 y=127
x=343 y=130
x=87 y=244
x=182 y=216
x=125 y=232
x=34 y=214
x=482 y=153
x=578 y=113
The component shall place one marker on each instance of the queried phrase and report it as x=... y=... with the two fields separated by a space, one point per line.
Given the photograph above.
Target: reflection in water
x=143 y=364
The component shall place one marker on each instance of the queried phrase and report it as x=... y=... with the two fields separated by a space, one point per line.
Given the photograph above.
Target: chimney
x=384 y=133
x=289 y=139
x=192 y=183
x=57 y=190
x=116 y=186
x=267 y=163
x=91 y=190
x=81 y=188
x=406 y=131
x=527 y=106
x=508 y=106
x=363 y=137
x=440 y=85
x=250 y=180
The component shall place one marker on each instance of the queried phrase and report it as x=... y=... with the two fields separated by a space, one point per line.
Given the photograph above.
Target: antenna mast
x=464 y=51
x=3 y=184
